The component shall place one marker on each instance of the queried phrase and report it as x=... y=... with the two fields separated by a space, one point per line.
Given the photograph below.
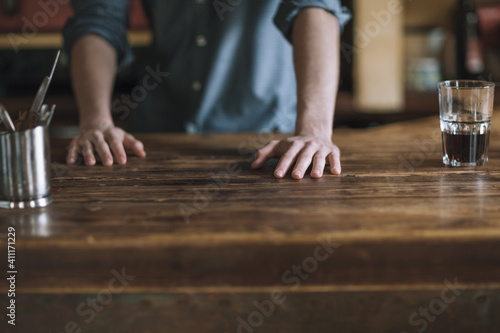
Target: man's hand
x=301 y=151
x=93 y=67
x=108 y=142
x=316 y=49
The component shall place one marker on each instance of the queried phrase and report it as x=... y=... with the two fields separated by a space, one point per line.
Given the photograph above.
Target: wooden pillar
x=378 y=56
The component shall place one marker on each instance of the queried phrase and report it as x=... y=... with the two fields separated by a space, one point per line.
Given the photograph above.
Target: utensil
x=41 y=115
x=46 y=115
x=5 y=118
x=51 y=114
x=19 y=122
x=39 y=97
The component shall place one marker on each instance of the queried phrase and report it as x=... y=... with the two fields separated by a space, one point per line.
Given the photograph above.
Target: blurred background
x=393 y=53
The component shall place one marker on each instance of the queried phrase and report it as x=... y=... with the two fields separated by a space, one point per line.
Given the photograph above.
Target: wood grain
x=197 y=196
x=300 y=312
x=401 y=222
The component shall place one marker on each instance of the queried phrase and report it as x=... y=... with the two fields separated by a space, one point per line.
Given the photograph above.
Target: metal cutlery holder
x=25 y=169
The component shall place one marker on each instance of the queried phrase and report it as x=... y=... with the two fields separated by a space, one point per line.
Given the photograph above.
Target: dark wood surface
x=400 y=224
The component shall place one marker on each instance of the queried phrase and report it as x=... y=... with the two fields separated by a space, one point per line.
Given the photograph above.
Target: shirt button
x=201 y=41
x=200 y=1
x=191 y=128
x=196 y=85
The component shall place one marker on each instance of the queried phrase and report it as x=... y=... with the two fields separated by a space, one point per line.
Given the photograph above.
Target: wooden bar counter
x=191 y=239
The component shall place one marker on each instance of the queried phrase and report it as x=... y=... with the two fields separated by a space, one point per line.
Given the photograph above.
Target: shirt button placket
x=201 y=41
x=201 y=11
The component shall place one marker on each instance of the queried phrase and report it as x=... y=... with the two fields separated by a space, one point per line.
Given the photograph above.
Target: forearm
x=315 y=39
x=93 y=68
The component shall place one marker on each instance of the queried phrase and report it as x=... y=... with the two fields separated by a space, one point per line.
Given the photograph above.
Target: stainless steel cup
x=25 y=169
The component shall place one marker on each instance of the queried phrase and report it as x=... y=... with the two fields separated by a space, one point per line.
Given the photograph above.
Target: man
x=230 y=67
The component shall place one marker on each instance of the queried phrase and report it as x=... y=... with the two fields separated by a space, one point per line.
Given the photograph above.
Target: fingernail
x=279 y=173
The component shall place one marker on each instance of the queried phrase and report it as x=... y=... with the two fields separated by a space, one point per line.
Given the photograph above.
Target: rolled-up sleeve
x=289 y=9
x=105 y=18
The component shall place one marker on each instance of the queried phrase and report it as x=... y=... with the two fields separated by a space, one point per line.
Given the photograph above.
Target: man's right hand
x=111 y=144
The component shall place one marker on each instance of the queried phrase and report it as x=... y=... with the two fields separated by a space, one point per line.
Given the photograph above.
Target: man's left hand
x=300 y=152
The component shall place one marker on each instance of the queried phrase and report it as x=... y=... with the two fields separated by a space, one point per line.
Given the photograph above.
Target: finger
x=88 y=152
x=319 y=163
x=101 y=147
x=287 y=159
x=72 y=152
x=115 y=142
x=136 y=146
x=334 y=160
x=264 y=154
x=304 y=160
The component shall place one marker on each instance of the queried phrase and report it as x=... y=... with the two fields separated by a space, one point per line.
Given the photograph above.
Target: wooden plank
x=53 y=40
x=402 y=221
x=375 y=312
x=235 y=266
x=194 y=215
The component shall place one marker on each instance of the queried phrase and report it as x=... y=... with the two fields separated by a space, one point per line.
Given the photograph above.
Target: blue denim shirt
x=229 y=62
